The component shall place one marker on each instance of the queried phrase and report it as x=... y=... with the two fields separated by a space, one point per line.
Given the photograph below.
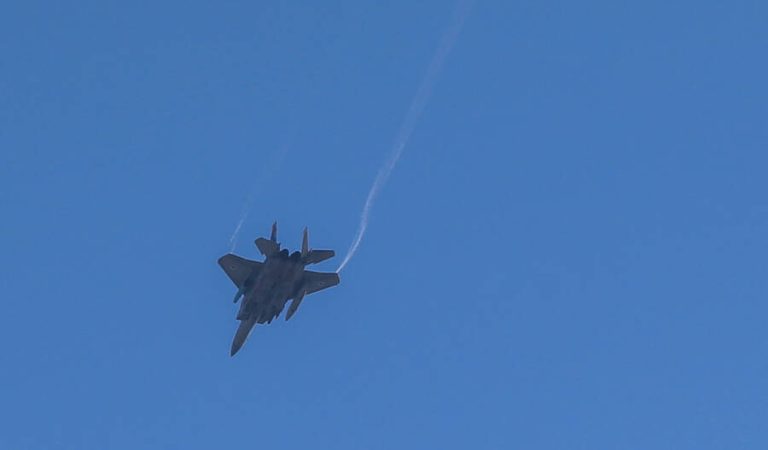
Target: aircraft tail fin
x=271 y=246
x=313 y=256
x=273 y=235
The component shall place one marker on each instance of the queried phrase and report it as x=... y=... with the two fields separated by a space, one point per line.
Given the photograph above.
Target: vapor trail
x=243 y=216
x=409 y=123
x=262 y=177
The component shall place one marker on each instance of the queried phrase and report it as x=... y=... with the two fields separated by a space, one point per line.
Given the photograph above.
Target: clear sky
x=571 y=253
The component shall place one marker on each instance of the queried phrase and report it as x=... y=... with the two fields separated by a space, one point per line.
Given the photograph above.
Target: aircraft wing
x=239 y=269
x=317 y=281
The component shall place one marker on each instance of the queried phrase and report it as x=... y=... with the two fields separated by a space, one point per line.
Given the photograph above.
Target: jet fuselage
x=273 y=287
x=265 y=287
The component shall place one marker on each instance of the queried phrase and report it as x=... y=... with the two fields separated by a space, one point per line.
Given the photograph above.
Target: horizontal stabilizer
x=267 y=247
x=316 y=256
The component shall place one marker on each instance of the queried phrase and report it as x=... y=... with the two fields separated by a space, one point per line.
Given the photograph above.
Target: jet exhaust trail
x=409 y=123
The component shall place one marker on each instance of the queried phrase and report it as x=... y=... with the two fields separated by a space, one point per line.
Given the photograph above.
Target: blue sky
x=570 y=254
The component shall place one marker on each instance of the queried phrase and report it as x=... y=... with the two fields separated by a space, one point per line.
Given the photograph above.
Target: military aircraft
x=266 y=287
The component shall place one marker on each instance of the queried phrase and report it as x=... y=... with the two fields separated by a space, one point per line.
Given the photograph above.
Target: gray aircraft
x=266 y=287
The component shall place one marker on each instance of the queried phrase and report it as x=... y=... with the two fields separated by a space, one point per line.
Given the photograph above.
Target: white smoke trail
x=409 y=123
x=263 y=176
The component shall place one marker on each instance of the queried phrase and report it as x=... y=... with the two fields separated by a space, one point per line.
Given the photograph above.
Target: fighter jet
x=265 y=287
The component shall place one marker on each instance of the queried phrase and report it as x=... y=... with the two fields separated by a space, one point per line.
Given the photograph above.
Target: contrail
x=409 y=123
x=263 y=176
